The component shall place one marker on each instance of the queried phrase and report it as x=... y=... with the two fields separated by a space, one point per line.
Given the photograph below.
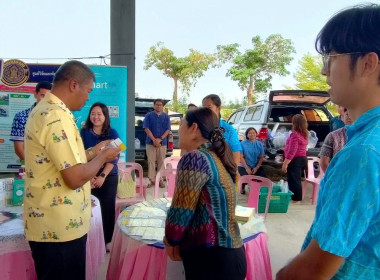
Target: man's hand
x=157 y=142
x=109 y=153
x=96 y=149
x=248 y=170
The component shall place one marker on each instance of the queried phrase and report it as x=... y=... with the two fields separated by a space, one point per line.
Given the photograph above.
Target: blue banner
x=110 y=88
x=41 y=72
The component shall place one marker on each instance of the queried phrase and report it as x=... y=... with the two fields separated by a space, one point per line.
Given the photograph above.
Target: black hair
x=44 y=85
x=158 y=100
x=214 y=98
x=107 y=123
x=73 y=69
x=207 y=121
x=191 y=105
x=353 y=30
x=248 y=130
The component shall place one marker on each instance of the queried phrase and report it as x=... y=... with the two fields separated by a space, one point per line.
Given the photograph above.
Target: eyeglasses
x=326 y=58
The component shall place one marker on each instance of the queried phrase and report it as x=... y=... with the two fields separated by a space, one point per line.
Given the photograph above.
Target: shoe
x=162 y=184
x=151 y=184
x=108 y=247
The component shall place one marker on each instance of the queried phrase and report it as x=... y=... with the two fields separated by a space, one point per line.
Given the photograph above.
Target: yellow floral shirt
x=53 y=212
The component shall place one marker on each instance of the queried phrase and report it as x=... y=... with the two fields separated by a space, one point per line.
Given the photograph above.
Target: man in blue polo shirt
x=157 y=128
x=19 y=121
x=344 y=239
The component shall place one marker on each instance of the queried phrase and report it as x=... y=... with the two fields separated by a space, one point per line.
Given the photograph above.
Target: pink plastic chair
x=173 y=161
x=141 y=186
x=256 y=183
x=311 y=179
x=170 y=174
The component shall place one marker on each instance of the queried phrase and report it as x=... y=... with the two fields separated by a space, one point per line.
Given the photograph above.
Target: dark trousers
x=294 y=172
x=107 y=195
x=259 y=172
x=215 y=263
x=60 y=260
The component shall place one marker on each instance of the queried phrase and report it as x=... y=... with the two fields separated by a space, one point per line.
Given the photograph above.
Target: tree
x=186 y=70
x=254 y=69
x=308 y=74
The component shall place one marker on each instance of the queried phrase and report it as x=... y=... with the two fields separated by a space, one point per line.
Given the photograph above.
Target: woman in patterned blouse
x=201 y=228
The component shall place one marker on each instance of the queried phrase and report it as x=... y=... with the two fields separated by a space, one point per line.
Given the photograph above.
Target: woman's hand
x=98 y=181
x=285 y=165
x=172 y=251
x=248 y=170
x=92 y=181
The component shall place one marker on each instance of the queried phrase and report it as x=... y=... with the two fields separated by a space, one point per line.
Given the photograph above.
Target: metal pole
x=123 y=54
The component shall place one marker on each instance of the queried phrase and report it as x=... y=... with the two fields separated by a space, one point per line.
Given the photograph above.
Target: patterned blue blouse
x=202 y=212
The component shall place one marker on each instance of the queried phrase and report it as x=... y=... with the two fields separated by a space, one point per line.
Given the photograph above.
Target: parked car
x=275 y=116
x=142 y=107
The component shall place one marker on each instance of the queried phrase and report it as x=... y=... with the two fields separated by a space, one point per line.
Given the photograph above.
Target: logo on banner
x=15 y=73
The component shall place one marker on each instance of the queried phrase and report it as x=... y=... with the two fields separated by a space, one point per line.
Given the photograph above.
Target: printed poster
x=16 y=94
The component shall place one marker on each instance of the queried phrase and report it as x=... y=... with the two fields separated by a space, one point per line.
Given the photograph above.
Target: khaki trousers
x=155 y=154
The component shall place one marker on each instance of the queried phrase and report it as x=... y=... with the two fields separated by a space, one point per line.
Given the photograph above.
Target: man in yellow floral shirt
x=57 y=205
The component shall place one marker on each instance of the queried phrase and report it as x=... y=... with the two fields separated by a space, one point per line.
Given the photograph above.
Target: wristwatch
x=102 y=175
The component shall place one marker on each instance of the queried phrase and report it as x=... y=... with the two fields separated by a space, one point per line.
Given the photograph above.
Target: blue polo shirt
x=91 y=139
x=347 y=217
x=231 y=136
x=252 y=151
x=157 y=124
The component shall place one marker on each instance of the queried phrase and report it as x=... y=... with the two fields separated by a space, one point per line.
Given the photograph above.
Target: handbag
x=126 y=187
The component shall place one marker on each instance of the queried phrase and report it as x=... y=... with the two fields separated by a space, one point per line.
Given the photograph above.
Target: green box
x=279 y=201
x=18 y=191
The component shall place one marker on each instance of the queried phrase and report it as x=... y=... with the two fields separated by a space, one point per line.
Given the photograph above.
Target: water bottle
x=281 y=183
x=137 y=143
x=286 y=187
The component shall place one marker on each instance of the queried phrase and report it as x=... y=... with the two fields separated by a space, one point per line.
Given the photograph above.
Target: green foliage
x=253 y=70
x=308 y=75
x=332 y=108
x=231 y=106
x=186 y=70
x=180 y=106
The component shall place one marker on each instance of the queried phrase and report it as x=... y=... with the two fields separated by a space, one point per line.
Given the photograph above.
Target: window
x=253 y=113
x=232 y=118
x=235 y=117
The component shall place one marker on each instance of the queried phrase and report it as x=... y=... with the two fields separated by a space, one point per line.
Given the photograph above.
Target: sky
x=47 y=31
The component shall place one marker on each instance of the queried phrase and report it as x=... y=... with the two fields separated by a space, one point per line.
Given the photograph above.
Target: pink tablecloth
x=131 y=259
x=16 y=260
